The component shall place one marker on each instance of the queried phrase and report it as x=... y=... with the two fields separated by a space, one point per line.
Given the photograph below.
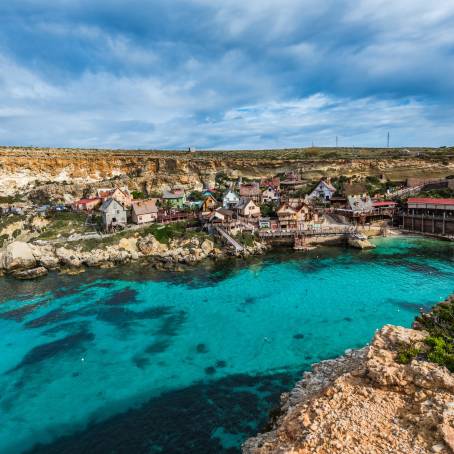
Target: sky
x=230 y=74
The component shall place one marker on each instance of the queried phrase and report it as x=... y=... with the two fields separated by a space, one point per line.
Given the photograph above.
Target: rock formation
x=365 y=403
x=56 y=173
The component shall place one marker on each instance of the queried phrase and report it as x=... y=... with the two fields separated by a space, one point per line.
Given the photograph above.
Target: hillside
x=25 y=168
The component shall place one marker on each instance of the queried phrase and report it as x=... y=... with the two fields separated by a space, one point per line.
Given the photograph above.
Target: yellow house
x=209 y=204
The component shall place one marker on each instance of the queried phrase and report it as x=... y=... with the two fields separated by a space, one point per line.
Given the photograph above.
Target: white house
x=247 y=208
x=230 y=199
x=270 y=195
x=323 y=191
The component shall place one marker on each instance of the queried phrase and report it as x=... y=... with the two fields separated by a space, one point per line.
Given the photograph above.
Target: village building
x=87 y=204
x=250 y=191
x=292 y=217
x=429 y=215
x=175 y=198
x=291 y=182
x=270 y=195
x=264 y=223
x=359 y=203
x=222 y=215
x=274 y=183
x=121 y=195
x=247 y=208
x=323 y=191
x=143 y=211
x=209 y=204
x=113 y=214
x=230 y=199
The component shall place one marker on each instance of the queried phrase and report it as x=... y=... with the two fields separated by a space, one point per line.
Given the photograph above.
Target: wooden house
x=250 y=191
x=222 y=215
x=248 y=209
x=113 y=214
x=292 y=217
x=323 y=191
x=270 y=195
x=143 y=211
x=209 y=204
x=121 y=195
x=230 y=199
x=175 y=198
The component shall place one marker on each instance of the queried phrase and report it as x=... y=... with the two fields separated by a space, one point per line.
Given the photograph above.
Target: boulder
x=32 y=273
x=207 y=246
x=18 y=256
x=149 y=245
x=360 y=244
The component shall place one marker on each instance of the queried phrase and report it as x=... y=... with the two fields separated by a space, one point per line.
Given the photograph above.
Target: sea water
x=133 y=360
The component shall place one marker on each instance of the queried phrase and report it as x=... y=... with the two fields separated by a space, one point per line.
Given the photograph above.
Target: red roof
x=384 y=204
x=431 y=201
x=85 y=201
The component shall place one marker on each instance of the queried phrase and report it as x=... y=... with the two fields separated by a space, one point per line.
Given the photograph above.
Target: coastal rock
x=32 y=273
x=364 y=402
x=18 y=256
x=45 y=256
x=128 y=244
x=360 y=244
x=68 y=257
x=149 y=245
x=207 y=246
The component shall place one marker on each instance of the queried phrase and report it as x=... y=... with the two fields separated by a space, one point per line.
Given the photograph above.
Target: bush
x=406 y=354
x=439 y=323
x=137 y=195
x=245 y=238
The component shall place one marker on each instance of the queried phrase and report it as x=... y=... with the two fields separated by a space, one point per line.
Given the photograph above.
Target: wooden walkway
x=325 y=231
x=238 y=247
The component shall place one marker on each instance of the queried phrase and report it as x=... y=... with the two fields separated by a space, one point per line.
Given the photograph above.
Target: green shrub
x=406 y=354
x=439 y=323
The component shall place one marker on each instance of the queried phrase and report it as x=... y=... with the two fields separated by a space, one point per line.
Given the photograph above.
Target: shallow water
x=131 y=360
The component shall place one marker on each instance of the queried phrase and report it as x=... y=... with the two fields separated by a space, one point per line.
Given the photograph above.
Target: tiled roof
x=145 y=206
x=431 y=201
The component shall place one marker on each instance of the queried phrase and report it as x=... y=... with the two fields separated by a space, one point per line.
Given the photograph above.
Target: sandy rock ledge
x=366 y=403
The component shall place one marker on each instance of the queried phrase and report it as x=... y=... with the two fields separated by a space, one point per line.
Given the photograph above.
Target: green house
x=175 y=198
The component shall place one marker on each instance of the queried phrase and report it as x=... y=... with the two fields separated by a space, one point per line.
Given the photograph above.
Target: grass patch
x=63 y=224
x=245 y=238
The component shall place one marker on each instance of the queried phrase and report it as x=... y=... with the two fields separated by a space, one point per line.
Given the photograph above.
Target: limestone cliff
x=365 y=402
x=154 y=170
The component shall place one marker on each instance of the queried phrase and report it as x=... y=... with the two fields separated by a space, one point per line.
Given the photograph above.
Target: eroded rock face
x=18 y=256
x=365 y=402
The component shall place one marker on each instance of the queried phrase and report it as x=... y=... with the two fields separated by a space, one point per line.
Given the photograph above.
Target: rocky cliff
x=365 y=402
x=22 y=168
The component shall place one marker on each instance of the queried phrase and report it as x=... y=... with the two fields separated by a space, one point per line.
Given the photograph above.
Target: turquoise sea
x=131 y=360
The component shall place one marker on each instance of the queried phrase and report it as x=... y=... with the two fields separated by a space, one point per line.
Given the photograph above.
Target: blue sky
x=226 y=74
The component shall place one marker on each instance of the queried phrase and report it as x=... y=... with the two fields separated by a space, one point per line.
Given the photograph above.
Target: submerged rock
x=360 y=243
x=32 y=273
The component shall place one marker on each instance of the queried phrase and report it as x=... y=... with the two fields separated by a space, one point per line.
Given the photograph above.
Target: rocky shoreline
x=366 y=402
x=28 y=261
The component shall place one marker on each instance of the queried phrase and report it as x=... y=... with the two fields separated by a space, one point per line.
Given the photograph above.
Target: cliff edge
x=368 y=402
